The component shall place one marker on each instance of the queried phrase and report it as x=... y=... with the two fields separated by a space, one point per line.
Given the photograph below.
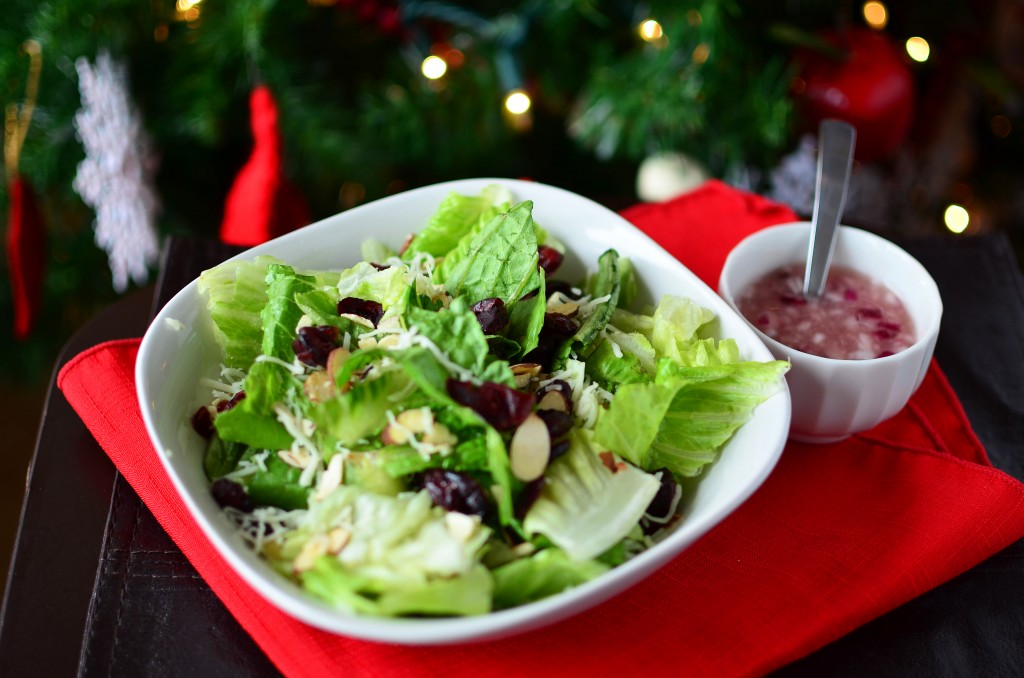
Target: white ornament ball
x=668 y=175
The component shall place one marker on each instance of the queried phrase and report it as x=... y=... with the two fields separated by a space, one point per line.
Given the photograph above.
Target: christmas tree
x=183 y=104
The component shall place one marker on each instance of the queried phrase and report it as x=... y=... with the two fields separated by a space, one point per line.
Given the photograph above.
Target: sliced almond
x=367 y=342
x=390 y=341
x=332 y=476
x=418 y=420
x=337 y=539
x=554 y=400
x=390 y=323
x=319 y=386
x=461 y=526
x=395 y=434
x=569 y=308
x=313 y=549
x=358 y=319
x=530 y=449
x=299 y=458
x=440 y=435
x=337 y=358
x=524 y=372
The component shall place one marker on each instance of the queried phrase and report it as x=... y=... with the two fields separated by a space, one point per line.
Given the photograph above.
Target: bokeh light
x=434 y=67
x=517 y=102
x=876 y=15
x=918 y=49
x=650 y=30
x=956 y=218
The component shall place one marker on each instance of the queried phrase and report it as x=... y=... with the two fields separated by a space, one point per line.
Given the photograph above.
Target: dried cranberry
x=563 y=287
x=558 y=449
x=559 y=325
x=502 y=407
x=529 y=496
x=314 y=344
x=454 y=491
x=763 y=320
x=225 y=405
x=850 y=294
x=558 y=423
x=228 y=493
x=662 y=504
x=364 y=308
x=491 y=314
x=549 y=259
x=202 y=422
x=380 y=267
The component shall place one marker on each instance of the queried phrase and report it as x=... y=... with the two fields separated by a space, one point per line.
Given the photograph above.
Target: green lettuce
x=682 y=419
x=545 y=573
x=236 y=293
x=502 y=260
x=585 y=508
x=457 y=216
x=401 y=557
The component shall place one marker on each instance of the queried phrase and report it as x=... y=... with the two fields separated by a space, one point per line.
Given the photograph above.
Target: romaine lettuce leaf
x=527 y=319
x=675 y=324
x=501 y=261
x=253 y=421
x=282 y=314
x=604 y=284
x=457 y=216
x=584 y=508
x=236 y=293
x=611 y=371
x=543 y=574
x=456 y=331
x=682 y=419
x=401 y=557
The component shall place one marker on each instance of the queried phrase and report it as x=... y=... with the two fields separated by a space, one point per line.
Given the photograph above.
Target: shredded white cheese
x=295 y=368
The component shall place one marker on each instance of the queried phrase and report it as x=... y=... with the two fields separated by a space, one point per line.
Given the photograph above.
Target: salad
x=452 y=428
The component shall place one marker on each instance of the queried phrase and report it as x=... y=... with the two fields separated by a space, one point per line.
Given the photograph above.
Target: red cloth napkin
x=837 y=535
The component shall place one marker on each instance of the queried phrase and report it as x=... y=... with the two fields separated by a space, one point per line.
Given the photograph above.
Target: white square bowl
x=178 y=349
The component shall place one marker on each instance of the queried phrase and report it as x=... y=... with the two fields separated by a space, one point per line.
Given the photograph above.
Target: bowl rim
x=922 y=339
x=291 y=599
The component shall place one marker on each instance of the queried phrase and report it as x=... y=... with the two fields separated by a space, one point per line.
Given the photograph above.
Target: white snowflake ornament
x=116 y=176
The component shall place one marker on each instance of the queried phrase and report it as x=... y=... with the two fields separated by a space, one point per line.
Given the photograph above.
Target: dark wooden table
x=97 y=588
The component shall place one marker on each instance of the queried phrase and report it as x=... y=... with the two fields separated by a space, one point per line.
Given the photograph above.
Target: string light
x=187 y=10
x=876 y=15
x=701 y=53
x=650 y=30
x=434 y=67
x=517 y=102
x=918 y=49
x=956 y=218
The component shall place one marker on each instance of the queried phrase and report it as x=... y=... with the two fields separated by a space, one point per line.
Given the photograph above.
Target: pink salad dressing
x=855 y=319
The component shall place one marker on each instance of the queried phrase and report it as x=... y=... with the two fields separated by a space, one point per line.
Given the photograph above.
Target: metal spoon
x=836 y=140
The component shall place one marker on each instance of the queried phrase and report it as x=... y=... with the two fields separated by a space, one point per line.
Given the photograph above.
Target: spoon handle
x=836 y=140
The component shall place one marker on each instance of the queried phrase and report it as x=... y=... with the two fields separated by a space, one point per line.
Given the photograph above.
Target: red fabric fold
x=836 y=536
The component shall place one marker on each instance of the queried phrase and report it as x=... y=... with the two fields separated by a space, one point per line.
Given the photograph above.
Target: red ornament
x=262 y=204
x=867 y=84
x=26 y=256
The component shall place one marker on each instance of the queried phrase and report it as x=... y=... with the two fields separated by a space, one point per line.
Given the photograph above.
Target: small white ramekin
x=833 y=399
